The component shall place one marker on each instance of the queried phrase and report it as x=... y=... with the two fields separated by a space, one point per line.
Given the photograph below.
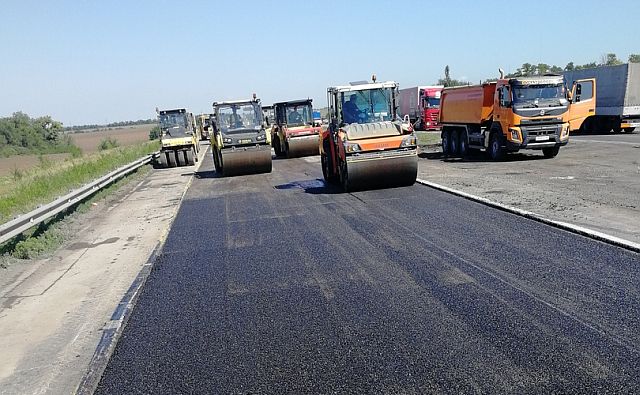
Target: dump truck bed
x=467 y=105
x=617 y=87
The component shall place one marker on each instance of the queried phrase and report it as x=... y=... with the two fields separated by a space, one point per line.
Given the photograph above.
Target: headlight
x=261 y=137
x=515 y=134
x=409 y=141
x=351 y=147
x=565 y=132
x=227 y=140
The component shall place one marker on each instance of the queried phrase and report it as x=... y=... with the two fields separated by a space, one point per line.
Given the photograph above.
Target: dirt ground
x=26 y=162
x=88 y=142
x=593 y=182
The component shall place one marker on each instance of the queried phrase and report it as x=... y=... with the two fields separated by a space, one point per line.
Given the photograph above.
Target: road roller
x=366 y=144
x=240 y=144
x=295 y=133
x=178 y=138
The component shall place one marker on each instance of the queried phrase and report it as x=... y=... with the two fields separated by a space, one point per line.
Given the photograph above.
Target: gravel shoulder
x=593 y=182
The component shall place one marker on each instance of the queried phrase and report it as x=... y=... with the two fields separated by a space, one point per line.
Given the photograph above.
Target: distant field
x=87 y=141
x=127 y=135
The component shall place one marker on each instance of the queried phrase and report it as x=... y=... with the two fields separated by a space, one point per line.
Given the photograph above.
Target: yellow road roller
x=240 y=144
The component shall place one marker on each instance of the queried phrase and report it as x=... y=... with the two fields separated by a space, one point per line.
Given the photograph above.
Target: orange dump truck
x=513 y=114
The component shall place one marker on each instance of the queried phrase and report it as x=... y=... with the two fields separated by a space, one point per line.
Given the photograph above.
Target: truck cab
x=178 y=138
x=430 y=107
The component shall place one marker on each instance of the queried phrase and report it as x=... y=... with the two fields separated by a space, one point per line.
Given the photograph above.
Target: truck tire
x=463 y=144
x=446 y=141
x=277 y=147
x=190 y=155
x=344 y=177
x=629 y=130
x=551 y=152
x=496 y=151
x=171 y=158
x=454 y=143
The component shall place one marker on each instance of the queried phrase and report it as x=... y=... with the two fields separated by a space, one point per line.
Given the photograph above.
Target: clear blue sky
x=103 y=61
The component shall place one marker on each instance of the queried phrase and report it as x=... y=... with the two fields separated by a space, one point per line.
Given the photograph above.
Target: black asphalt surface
x=274 y=283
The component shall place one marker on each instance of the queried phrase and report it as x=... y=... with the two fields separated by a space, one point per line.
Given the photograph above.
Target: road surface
x=277 y=284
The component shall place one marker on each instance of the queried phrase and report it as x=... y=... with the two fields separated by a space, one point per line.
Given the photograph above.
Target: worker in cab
x=350 y=110
x=294 y=116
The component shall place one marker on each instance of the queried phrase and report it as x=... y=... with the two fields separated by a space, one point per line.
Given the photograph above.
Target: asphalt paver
x=277 y=283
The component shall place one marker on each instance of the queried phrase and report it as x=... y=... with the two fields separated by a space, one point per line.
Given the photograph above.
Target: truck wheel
x=161 y=161
x=454 y=143
x=326 y=169
x=551 y=152
x=446 y=137
x=190 y=157
x=496 y=152
x=344 y=177
x=171 y=159
x=463 y=144
x=629 y=130
x=277 y=148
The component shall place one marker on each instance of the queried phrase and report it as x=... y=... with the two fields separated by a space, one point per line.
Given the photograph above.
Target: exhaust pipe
x=501 y=73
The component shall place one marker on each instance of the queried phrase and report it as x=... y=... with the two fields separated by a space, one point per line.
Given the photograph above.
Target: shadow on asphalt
x=206 y=174
x=481 y=157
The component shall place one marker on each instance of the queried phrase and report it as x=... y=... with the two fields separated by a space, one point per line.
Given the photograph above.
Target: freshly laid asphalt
x=276 y=283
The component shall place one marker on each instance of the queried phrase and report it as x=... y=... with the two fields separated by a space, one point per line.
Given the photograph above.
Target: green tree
x=447 y=81
x=154 y=133
x=569 y=67
x=610 y=59
x=634 y=58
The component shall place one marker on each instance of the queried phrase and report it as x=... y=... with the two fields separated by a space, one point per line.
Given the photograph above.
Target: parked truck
x=513 y=114
x=178 y=138
x=240 y=144
x=618 y=101
x=294 y=133
x=422 y=105
x=366 y=144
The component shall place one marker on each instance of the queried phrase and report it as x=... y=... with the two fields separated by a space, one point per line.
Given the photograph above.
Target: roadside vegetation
x=22 y=135
x=428 y=138
x=24 y=192
x=529 y=69
x=20 y=193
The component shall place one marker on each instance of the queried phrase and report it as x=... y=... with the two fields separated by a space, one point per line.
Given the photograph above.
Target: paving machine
x=295 y=133
x=240 y=144
x=366 y=143
x=178 y=138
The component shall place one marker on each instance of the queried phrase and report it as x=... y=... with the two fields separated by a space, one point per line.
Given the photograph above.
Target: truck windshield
x=173 y=119
x=239 y=117
x=536 y=95
x=371 y=105
x=432 y=102
x=299 y=114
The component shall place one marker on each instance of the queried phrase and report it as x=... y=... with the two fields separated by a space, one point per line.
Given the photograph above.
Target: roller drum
x=303 y=146
x=246 y=160
x=381 y=171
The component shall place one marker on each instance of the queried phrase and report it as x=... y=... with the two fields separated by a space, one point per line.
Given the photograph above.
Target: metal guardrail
x=42 y=213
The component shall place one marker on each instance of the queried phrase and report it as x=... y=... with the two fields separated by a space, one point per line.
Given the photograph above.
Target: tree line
x=109 y=125
x=529 y=69
x=21 y=134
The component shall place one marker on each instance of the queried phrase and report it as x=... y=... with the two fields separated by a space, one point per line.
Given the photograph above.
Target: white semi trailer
x=618 y=98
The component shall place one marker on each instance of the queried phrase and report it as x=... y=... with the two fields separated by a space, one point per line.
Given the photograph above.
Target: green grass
x=47 y=184
x=49 y=235
x=428 y=138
